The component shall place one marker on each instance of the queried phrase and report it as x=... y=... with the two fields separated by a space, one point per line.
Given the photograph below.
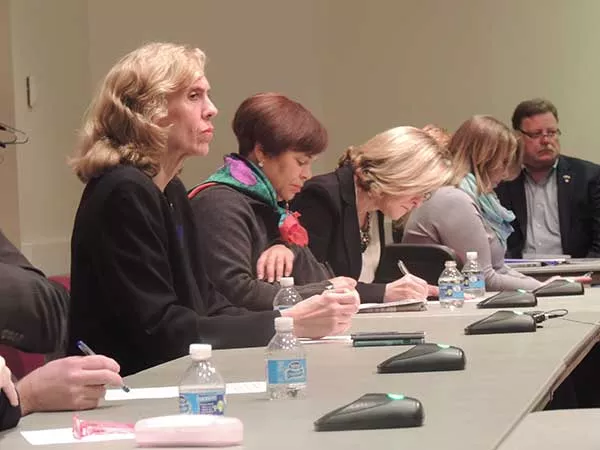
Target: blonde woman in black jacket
x=389 y=175
x=135 y=266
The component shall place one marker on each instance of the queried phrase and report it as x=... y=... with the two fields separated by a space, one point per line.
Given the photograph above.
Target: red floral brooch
x=292 y=232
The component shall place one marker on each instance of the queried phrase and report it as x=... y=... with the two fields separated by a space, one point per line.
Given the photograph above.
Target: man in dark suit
x=33 y=309
x=556 y=198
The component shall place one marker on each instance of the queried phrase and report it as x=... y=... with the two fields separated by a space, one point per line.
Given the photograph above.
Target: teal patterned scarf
x=242 y=175
x=496 y=215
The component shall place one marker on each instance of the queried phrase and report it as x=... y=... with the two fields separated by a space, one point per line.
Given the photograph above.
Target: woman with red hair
x=254 y=237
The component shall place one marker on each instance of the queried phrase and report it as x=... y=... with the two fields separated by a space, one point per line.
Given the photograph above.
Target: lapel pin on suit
x=566 y=178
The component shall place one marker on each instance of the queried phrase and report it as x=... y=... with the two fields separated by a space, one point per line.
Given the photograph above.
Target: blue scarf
x=495 y=215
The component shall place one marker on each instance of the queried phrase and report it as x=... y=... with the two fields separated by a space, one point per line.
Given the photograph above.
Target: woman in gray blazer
x=467 y=216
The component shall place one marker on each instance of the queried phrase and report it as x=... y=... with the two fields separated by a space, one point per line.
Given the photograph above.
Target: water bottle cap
x=450 y=264
x=471 y=255
x=199 y=352
x=286 y=281
x=284 y=324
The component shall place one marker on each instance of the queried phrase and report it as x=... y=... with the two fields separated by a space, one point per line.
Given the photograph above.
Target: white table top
x=507 y=376
x=574 y=429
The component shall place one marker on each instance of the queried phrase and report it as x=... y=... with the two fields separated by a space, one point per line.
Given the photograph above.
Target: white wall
x=414 y=62
x=252 y=46
x=360 y=66
x=9 y=200
x=342 y=84
x=49 y=42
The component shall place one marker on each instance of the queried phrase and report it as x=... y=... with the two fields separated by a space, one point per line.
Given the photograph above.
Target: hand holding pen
x=68 y=384
x=88 y=351
x=408 y=287
x=586 y=278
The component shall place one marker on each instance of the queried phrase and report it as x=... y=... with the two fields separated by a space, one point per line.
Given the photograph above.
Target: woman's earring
x=261 y=164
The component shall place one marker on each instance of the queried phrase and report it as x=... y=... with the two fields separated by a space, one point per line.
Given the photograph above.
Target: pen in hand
x=431 y=291
x=403 y=268
x=329 y=269
x=88 y=351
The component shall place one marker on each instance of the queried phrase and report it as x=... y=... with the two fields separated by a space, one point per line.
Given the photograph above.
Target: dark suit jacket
x=33 y=309
x=9 y=415
x=327 y=205
x=578 y=185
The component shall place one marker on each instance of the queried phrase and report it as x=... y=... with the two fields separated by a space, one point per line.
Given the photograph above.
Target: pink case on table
x=189 y=430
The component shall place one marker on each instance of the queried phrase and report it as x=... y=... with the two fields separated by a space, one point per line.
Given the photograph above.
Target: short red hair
x=278 y=124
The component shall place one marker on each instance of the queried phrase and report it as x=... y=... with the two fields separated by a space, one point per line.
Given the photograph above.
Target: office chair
x=422 y=260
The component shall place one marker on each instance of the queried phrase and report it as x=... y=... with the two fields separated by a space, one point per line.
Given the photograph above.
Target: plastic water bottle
x=286 y=362
x=451 y=286
x=202 y=389
x=287 y=296
x=473 y=281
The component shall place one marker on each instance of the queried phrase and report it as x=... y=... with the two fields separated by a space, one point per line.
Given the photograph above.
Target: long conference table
x=486 y=406
x=577 y=268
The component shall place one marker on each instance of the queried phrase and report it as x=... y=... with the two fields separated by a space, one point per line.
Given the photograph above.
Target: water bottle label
x=450 y=290
x=282 y=307
x=474 y=281
x=286 y=371
x=206 y=402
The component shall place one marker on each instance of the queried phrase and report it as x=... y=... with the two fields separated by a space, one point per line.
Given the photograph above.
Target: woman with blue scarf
x=467 y=216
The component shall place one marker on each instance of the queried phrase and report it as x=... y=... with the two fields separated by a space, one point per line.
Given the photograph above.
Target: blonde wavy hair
x=484 y=145
x=402 y=161
x=121 y=125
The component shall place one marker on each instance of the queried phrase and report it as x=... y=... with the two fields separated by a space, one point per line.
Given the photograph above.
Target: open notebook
x=399 y=306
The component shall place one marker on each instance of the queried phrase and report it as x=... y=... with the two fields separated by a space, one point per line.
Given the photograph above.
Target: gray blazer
x=452 y=218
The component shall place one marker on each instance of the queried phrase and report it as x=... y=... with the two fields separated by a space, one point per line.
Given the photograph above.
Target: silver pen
x=403 y=268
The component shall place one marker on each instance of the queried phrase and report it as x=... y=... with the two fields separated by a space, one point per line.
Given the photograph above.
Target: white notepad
x=65 y=436
x=247 y=387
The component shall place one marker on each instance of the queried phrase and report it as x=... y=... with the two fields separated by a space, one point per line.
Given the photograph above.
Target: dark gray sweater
x=236 y=229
